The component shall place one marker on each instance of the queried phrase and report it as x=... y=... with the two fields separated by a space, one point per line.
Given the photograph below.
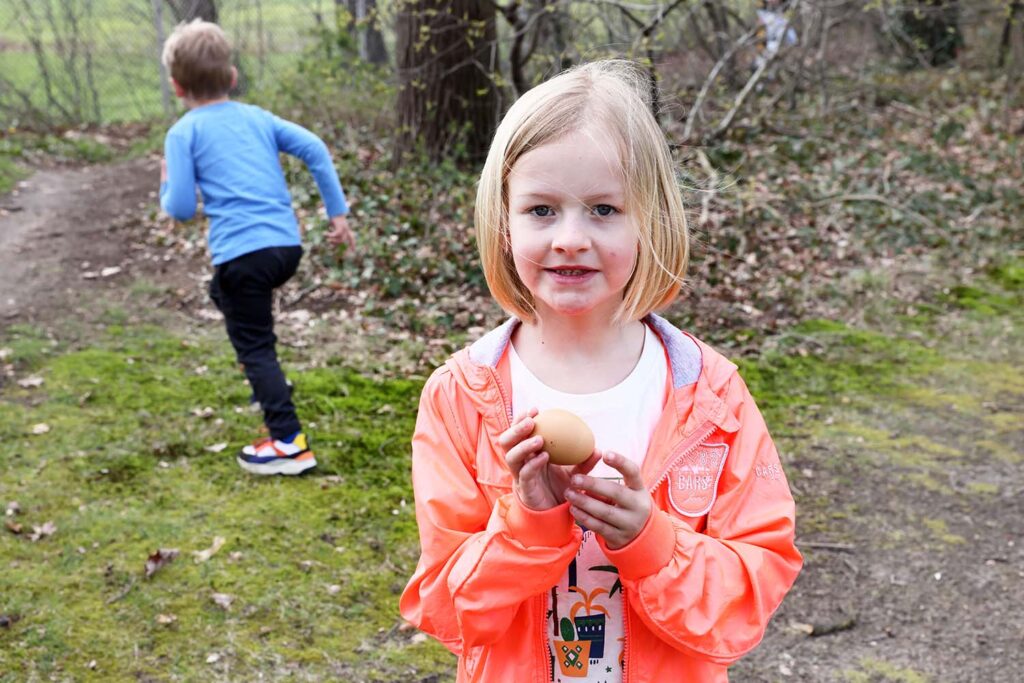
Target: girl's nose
x=571 y=235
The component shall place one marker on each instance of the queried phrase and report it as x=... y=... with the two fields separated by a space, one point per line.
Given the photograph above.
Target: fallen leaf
x=44 y=531
x=419 y=638
x=223 y=600
x=40 y=428
x=801 y=627
x=5 y=352
x=12 y=526
x=333 y=589
x=109 y=271
x=13 y=508
x=217 y=447
x=166 y=619
x=159 y=560
x=213 y=658
x=30 y=382
x=204 y=555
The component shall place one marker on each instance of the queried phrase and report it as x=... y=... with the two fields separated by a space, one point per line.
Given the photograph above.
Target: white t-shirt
x=586 y=631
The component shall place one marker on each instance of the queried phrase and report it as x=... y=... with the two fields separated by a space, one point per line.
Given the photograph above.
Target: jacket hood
x=695 y=368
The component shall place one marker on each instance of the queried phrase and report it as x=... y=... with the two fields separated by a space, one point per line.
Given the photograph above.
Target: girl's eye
x=604 y=210
x=541 y=211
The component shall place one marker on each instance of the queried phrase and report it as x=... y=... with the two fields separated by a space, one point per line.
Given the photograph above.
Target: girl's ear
x=234 y=78
x=178 y=90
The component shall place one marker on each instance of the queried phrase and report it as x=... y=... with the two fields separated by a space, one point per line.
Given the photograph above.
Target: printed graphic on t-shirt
x=585 y=621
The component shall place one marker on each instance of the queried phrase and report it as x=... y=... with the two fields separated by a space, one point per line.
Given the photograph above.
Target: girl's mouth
x=570 y=272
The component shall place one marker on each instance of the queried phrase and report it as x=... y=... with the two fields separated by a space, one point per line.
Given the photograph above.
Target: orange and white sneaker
x=275 y=456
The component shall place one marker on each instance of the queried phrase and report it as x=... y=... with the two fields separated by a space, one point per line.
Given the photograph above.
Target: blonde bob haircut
x=198 y=57
x=615 y=95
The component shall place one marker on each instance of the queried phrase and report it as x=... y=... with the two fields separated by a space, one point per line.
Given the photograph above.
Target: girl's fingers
x=587 y=464
x=522 y=426
x=589 y=521
x=523 y=451
x=594 y=509
x=629 y=469
x=534 y=466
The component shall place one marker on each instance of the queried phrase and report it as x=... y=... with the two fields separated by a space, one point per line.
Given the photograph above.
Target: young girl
x=660 y=558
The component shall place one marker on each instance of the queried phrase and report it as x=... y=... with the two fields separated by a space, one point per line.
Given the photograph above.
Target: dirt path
x=64 y=230
x=910 y=500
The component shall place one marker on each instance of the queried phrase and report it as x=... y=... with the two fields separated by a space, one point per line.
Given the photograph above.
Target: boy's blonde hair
x=198 y=57
x=612 y=93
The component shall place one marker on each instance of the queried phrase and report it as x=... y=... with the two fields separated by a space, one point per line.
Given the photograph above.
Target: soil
x=62 y=228
x=881 y=597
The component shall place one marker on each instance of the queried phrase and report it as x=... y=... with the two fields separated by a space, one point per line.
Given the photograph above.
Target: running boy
x=230 y=151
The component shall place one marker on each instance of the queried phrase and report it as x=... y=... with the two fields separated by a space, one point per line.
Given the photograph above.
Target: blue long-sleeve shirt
x=230 y=151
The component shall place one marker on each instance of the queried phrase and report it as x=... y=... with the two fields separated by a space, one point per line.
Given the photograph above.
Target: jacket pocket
x=693 y=478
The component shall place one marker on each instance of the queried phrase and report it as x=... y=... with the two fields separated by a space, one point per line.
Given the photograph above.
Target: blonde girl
x=663 y=555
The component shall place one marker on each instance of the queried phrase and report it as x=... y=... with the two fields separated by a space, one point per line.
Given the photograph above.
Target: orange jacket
x=700 y=581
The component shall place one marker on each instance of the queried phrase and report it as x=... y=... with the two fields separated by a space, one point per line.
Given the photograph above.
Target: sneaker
x=273 y=456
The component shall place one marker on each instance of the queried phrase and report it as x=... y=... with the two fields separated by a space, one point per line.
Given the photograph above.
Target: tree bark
x=187 y=10
x=1016 y=9
x=446 y=55
x=934 y=29
x=364 y=28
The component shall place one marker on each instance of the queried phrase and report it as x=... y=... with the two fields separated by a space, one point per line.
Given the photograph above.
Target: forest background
x=855 y=200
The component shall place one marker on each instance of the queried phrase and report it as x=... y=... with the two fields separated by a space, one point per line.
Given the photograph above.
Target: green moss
x=124 y=442
x=983 y=488
x=941 y=532
x=878 y=671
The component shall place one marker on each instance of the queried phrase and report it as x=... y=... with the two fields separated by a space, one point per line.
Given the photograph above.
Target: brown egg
x=567 y=438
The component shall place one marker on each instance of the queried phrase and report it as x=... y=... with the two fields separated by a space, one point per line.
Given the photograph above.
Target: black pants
x=243 y=290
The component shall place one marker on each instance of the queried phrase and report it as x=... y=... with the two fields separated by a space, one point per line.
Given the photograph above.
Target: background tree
x=446 y=56
x=187 y=10
x=364 y=27
x=933 y=27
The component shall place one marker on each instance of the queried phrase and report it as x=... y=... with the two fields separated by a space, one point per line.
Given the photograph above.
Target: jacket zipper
x=625 y=640
x=546 y=645
x=689 y=446
x=505 y=401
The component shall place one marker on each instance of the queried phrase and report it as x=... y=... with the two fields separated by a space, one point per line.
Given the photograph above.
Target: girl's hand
x=540 y=486
x=617 y=512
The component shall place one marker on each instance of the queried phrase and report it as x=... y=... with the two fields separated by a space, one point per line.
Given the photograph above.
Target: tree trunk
x=446 y=55
x=187 y=10
x=1012 y=19
x=720 y=27
x=364 y=28
x=933 y=26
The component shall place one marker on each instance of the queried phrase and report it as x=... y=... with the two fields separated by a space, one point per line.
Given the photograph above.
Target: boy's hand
x=163 y=170
x=617 y=512
x=340 y=233
x=540 y=486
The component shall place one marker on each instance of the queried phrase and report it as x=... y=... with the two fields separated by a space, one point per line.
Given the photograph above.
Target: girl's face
x=573 y=243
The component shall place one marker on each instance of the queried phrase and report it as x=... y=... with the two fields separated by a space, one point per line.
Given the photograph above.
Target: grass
x=270 y=35
x=18 y=148
x=314 y=564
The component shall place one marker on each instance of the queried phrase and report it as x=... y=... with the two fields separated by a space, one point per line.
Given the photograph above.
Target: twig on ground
x=821 y=545
x=881 y=200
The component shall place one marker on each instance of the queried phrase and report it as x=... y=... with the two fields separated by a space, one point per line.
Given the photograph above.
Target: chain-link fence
x=97 y=61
